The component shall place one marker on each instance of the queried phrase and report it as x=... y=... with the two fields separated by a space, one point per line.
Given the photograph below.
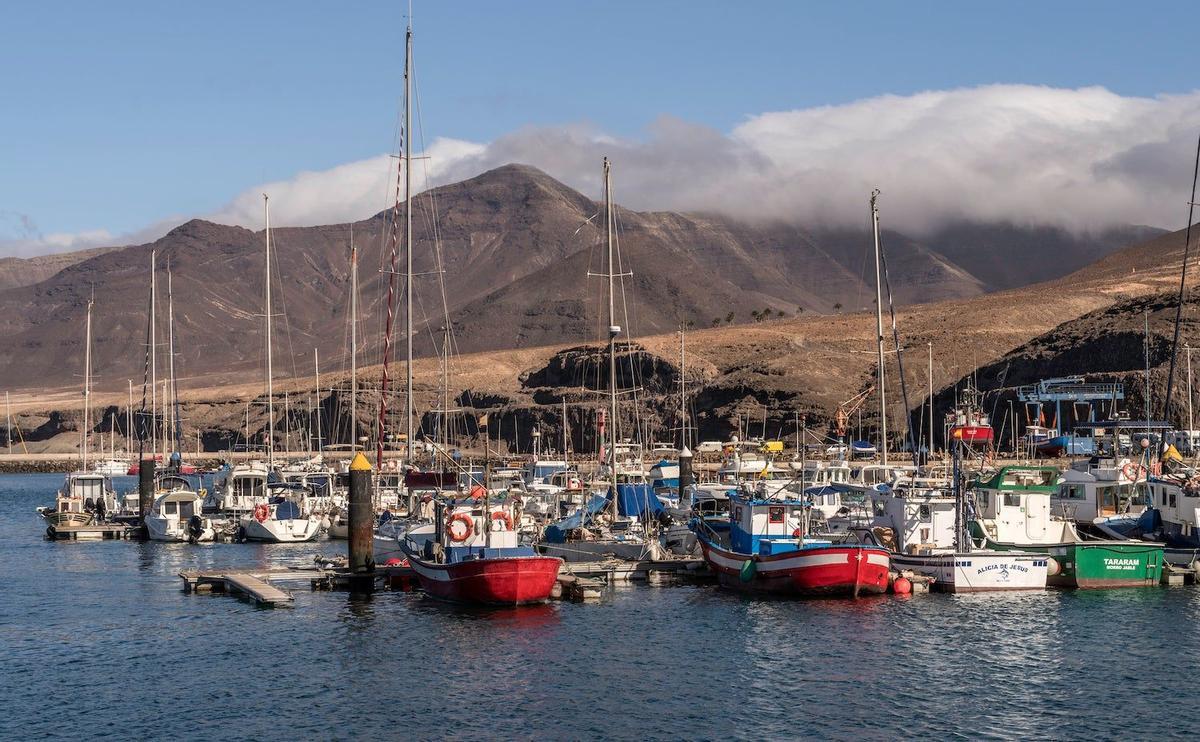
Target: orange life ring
x=261 y=513
x=574 y=485
x=1133 y=471
x=504 y=516
x=468 y=524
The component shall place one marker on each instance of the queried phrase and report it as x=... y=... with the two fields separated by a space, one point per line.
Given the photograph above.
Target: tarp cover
x=556 y=533
x=635 y=499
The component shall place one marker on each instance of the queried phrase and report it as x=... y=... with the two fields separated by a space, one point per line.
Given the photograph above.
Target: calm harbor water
x=98 y=639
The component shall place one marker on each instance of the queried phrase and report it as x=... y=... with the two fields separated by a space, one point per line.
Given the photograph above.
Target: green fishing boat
x=1013 y=514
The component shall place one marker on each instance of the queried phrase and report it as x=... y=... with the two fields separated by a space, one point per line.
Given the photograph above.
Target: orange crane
x=842 y=417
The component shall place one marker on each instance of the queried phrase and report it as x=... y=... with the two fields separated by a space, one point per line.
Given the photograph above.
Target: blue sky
x=121 y=114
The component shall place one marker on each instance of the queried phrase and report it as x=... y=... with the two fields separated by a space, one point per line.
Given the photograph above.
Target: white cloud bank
x=1084 y=158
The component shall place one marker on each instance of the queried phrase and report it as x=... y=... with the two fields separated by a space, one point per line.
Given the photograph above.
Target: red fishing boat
x=472 y=555
x=968 y=423
x=765 y=548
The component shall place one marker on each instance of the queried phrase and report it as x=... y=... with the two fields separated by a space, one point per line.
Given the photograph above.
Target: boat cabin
x=920 y=519
x=1013 y=507
x=767 y=527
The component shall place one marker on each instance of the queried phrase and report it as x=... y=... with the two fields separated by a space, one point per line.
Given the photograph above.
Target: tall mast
x=353 y=342
x=153 y=355
x=883 y=439
x=267 y=302
x=408 y=241
x=8 y=422
x=176 y=433
x=129 y=417
x=683 y=416
x=931 y=399
x=1191 y=423
x=564 y=428
x=1187 y=244
x=87 y=381
x=613 y=328
x=317 y=375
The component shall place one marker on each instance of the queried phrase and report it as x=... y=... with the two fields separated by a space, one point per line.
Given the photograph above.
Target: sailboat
x=618 y=522
x=85 y=496
x=286 y=515
x=473 y=554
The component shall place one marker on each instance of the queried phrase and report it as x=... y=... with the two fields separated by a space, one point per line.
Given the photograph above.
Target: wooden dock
x=94 y=532
x=253 y=585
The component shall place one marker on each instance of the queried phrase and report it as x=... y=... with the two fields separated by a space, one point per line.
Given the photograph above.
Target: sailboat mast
x=87 y=382
x=129 y=417
x=353 y=343
x=317 y=375
x=153 y=355
x=408 y=270
x=883 y=439
x=613 y=328
x=930 y=344
x=267 y=302
x=683 y=416
x=176 y=433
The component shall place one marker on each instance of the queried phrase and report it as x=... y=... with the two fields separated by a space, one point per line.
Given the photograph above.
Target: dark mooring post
x=145 y=487
x=685 y=473
x=361 y=555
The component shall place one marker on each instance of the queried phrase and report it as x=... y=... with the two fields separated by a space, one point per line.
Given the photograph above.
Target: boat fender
x=467 y=530
x=503 y=517
x=261 y=513
x=1052 y=566
x=797 y=533
x=749 y=568
x=901 y=586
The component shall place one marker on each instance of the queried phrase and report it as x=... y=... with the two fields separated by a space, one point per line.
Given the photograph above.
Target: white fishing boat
x=84 y=498
x=284 y=518
x=925 y=528
x=239 y=489
x=176 y=516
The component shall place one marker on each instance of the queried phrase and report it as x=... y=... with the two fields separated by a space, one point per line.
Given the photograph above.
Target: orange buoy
x=478 y=491
x=902 y=586
x=393 y=562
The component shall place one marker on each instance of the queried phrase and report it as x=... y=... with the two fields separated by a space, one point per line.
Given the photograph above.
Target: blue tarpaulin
x=635 y=499
x=556 y=533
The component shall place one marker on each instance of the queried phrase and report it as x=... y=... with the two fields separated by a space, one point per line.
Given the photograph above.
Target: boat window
x=1012 y=500
x=170 y=508
x=1171 y=499
x=85 y=488
x=924 y=513
x=879 y=507
x=187 y=509
x=775 y=514
x=248 y=486
x=1073 y=492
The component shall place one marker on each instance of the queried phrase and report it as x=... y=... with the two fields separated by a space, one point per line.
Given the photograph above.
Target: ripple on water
x=102 y=635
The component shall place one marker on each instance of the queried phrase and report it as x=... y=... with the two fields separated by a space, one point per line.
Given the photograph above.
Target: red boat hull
x=973 y=433
x=519 y=580
x=832 y=571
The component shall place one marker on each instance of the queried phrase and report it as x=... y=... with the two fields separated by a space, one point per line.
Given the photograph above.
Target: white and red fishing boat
x=472 y=554
x=968 y=423
x=766 y=548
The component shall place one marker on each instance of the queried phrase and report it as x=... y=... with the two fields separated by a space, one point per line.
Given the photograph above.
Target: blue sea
x=99 y=640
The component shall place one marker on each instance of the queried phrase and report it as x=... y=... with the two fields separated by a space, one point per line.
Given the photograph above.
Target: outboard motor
x=195 y=528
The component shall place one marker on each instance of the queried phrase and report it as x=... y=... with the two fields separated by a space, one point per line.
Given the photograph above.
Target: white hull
x=295 y=530
x=171 y=530
x=978 y=571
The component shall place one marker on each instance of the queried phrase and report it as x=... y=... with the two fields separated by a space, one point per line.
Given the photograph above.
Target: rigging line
x=899 y=355
x=1187 y=243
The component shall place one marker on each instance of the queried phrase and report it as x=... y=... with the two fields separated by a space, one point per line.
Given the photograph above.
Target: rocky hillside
x=513 y=249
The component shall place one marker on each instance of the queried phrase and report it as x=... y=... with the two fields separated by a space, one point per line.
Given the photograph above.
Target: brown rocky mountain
x=738 y=376
x=27 y=271
x=515 y=249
